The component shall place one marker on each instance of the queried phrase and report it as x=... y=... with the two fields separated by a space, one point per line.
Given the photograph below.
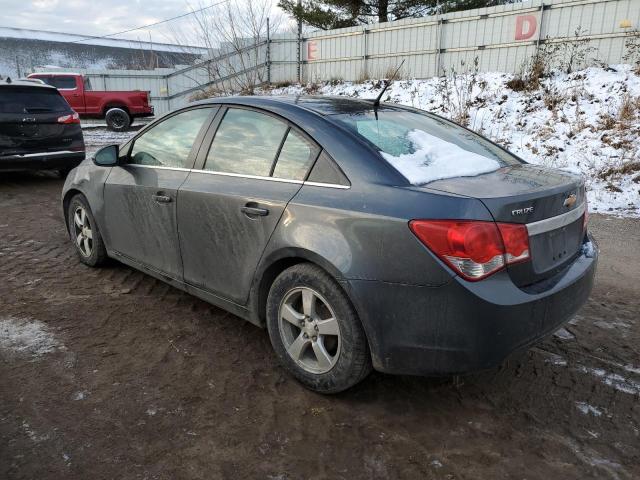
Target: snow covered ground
x=587 y=121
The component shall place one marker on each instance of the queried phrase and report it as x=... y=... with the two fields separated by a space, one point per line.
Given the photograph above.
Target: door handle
x=254 y=211
x=161 y=198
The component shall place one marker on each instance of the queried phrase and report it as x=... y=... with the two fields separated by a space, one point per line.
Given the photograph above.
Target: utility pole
x=299 y=43
x=268 y=53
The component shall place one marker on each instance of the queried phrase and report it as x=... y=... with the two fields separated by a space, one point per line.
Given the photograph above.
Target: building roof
x=46 y=36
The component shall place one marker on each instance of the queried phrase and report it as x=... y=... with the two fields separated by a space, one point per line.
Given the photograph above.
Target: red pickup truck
x=117 y=108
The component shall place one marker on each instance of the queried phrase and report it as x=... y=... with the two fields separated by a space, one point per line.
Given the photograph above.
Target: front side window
x=296 y=157
x=424 y=148
x=169 y=143
x=246 y=143
x=65 y=83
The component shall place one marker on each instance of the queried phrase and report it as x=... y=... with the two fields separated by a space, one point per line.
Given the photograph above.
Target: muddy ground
x=112 y=374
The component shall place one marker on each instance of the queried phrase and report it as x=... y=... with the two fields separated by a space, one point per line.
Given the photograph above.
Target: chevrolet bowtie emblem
x=570 y=200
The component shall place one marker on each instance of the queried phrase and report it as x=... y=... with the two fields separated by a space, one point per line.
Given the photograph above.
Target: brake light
x=474 y=249
x=67 y=119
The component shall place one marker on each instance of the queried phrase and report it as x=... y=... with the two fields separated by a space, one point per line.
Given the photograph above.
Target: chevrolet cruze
x=361 y=235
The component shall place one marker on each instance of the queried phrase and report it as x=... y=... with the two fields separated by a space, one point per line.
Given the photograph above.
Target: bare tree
x=235 y=34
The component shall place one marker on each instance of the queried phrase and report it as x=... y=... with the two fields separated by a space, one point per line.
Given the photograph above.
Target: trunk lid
x=550 y=202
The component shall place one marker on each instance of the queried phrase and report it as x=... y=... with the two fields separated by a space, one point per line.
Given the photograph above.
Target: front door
x=230 y=206
x=141 y=195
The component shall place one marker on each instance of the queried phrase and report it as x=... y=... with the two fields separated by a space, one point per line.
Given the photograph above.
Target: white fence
x=502 y=38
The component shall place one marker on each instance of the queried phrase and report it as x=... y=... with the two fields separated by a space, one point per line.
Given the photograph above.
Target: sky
x=100 y=17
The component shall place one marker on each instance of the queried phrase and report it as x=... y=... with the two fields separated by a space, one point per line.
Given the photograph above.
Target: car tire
x=84 y=233
x=325 y=356
x=117 y=119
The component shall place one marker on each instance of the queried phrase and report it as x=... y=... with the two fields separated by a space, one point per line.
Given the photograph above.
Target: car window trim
x=193 y=153
x=215 y=124
x=277 y=157
x=239 y=175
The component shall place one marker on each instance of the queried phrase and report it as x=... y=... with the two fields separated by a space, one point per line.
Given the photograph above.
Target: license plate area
x=551 y=249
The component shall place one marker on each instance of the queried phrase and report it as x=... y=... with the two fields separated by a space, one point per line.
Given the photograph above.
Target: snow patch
x=564 y=334
x=614 y=380
x=588 y=409
x=26 y=336
x=589 y=249
x=435 y=159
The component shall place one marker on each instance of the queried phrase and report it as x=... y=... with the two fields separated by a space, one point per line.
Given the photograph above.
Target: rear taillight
x=66 y=119
x=474 y=249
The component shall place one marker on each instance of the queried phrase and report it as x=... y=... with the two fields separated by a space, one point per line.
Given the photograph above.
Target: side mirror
x=107 y=156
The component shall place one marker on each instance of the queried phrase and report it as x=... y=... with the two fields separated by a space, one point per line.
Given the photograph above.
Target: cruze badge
x=522 y=211
x=570 y=200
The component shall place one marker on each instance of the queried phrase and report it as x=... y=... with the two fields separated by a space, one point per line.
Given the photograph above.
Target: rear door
x=29 y=121
x=229 y=207
x=140 y=196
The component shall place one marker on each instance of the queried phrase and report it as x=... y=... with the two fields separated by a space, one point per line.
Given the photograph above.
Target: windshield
x=31 y=100
x=425 y=148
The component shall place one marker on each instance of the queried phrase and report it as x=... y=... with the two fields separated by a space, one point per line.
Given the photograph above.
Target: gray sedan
x=361 y=235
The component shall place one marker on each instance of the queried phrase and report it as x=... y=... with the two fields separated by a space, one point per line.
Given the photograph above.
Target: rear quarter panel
x=363 y=233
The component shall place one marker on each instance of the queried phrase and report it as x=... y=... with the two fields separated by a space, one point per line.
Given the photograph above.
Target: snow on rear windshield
x=424 y=148
x=434 y=159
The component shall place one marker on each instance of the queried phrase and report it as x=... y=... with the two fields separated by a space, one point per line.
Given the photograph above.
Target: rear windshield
x=31 y=100
x=424 y=148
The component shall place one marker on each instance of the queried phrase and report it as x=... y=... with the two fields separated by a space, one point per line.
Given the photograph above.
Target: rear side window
x=31 y=100
x=245 y=143
x=169 y=143
x=66 y=83
x=296 y=157
x=326 y=171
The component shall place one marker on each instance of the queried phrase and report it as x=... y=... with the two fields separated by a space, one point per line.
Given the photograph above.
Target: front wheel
x=84 y=233
x=315 y=331
x=117 y=119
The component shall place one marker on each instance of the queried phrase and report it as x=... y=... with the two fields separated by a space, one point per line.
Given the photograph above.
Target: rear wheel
x=315 y=331
x=117 y=119
x=84 y=233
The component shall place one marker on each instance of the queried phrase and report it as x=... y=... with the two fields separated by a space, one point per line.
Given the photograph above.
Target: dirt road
x=111 y=374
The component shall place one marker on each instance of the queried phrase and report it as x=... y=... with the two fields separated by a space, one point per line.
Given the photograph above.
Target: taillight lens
x=474 y=249
x=66 y=119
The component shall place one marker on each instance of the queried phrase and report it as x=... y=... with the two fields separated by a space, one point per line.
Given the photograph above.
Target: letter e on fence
x=312 y=50
x=526 y=26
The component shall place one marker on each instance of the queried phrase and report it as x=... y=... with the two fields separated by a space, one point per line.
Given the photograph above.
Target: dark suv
x=38 y=128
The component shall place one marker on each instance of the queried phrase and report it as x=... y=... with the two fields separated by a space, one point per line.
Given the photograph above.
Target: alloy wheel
x=118 y=119
x=83 y=232
x=309 y=330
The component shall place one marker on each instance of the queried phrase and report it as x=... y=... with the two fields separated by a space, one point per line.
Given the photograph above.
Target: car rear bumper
x=461 y=327
x=42 y=161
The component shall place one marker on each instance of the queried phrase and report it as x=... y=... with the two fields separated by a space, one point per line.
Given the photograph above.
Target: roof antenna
x=376 y=102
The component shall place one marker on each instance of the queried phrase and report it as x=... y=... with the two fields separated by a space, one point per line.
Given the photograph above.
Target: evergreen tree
x=329 y=14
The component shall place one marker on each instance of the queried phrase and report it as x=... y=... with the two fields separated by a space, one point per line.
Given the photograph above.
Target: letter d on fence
x=312 y=49
x=526 y=26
